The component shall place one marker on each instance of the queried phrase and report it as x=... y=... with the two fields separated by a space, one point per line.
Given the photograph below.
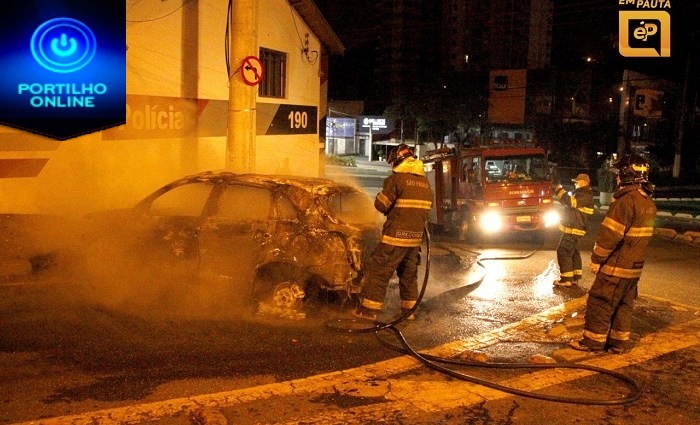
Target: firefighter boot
x=615 y=346
x=580 y=345
x=562 y=283
x=365 y=313
x=355 y=288
x=405 y=314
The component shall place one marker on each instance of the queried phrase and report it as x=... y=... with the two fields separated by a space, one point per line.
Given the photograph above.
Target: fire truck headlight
x=491 y=222
x=551 y=218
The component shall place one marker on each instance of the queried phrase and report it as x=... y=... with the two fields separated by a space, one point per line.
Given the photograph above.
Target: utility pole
x=329 y=138
x=189 y=84
x=625 y=132
x=370 y=142
x=684 y=107
x=243 y=41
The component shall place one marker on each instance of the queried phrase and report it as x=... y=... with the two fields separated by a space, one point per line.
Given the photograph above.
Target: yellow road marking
x=402 y=395
x=406 y=398
x=675 y=305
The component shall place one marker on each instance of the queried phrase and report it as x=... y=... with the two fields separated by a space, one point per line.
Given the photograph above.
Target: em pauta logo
x=645 y=33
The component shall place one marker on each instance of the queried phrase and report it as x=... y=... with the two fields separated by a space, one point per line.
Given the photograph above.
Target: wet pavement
x=507 y=310
x=67 y=362
x=401 y=390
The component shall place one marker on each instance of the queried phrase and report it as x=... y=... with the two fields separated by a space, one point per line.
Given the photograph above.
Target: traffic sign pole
x=240 y=142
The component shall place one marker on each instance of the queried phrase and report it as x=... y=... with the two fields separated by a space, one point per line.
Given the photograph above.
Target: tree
x=433 y=112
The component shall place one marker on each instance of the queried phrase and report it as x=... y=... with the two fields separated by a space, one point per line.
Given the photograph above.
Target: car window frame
x=216 y=205
x=276 y=196
x=146 y=205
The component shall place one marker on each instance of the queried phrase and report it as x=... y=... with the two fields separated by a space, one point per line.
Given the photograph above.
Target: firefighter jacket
x=579 y=209
x=625 y=233
x=405 y=200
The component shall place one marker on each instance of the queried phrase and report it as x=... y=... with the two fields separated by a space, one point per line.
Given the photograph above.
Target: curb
x=665 y=214
x=689 y=237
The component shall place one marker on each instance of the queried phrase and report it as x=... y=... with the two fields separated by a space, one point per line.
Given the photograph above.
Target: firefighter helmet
x=401 y=152
x=632 y=169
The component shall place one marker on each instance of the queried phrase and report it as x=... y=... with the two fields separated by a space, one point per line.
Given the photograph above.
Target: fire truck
x=493 y=188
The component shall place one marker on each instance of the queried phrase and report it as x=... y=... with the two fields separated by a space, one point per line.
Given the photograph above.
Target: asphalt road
x=70 y=356
x=66 y=356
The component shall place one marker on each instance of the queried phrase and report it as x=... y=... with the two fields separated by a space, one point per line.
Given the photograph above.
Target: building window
x=274 y=79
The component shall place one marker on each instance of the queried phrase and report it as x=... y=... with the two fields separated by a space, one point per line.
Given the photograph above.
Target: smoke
x=156 y=280
x=344 y=175
x=108 y=265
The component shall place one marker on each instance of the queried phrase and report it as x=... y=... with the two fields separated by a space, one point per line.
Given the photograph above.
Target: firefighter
x=405 y=200
x=578 y=210
x=618 y=258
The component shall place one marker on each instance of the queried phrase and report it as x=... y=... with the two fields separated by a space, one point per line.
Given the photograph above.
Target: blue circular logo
x=63 y=45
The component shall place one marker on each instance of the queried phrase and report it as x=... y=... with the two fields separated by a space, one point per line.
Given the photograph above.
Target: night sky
x=580 y=28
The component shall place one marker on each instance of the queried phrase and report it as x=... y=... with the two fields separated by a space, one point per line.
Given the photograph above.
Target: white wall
x=282 y=29
x=109 y=170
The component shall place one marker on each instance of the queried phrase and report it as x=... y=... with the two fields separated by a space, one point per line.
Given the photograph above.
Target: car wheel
x=288 y=295
x=433 y=228
x=280 y=294
x=466 y=232
x=537 y=237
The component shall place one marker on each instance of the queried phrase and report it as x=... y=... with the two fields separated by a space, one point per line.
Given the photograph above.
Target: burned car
x=274 y=237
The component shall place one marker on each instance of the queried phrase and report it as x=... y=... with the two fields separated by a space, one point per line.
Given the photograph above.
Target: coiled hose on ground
x=340 y=325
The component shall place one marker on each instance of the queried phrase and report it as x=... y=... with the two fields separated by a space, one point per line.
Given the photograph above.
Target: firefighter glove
x=594 y=268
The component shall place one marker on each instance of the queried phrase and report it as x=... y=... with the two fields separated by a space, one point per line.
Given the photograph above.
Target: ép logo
x=645 y=33
x=645 y=30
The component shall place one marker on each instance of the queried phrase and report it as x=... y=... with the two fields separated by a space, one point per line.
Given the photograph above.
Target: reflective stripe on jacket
x=405 y=199
x=579 y=208
x=625 y=233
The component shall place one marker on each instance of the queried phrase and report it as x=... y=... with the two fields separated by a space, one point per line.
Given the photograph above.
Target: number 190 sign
x=292 y=119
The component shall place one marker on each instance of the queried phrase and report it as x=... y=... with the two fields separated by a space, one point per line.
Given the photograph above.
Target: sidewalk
x=363 y=162
x=29 y=242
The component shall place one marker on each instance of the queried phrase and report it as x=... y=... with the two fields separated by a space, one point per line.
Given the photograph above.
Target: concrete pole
x=624 y=137
x=684 y=110
x=370 y=142
x=241 y=140
x=189 y=85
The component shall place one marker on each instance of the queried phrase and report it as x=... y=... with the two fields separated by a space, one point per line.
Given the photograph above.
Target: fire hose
x=433 y=362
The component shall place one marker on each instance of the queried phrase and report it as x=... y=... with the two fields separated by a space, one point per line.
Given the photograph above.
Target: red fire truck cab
x=490 y=189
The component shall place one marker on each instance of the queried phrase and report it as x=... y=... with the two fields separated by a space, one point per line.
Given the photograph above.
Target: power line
x=160 y=17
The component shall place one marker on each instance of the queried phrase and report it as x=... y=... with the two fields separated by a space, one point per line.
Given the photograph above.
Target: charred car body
x=276 y=236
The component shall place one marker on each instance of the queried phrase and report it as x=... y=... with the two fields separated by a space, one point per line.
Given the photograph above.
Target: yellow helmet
x=632 y=168
x=401 y=152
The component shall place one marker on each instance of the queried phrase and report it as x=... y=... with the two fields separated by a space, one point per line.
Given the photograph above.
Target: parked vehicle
x=489 y=189
x=279 y=235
